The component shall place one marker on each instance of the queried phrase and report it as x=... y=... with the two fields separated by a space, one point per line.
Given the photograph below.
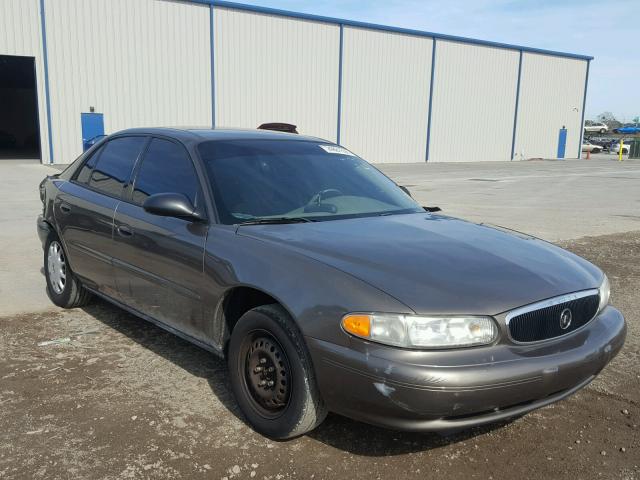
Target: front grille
x=535 y=324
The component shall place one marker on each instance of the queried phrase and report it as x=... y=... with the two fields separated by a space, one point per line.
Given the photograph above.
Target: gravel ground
x=119 y=398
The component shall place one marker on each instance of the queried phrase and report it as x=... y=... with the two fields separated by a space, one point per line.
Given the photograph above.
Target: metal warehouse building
x=70 y=68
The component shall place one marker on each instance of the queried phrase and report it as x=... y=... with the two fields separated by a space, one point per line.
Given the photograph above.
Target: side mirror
x=171 y=205
x=405 y=190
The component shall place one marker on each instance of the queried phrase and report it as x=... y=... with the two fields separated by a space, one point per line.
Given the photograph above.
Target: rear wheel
x=271 y=374
x=602 y=130
x=63 y=287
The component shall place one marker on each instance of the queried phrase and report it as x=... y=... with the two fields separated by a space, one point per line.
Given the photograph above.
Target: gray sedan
x=323 y=284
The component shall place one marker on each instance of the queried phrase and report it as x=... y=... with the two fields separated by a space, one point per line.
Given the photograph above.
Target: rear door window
x=166 y=168
x=85 y=172
x=115 y=164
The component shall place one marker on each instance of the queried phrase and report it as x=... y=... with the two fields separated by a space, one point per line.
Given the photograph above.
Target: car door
x=85 y=206
x=159 y=260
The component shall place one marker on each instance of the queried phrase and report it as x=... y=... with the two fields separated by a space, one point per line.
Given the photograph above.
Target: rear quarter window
x=84 y=174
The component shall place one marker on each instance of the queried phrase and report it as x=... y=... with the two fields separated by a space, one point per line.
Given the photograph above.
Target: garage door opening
x=19 y=128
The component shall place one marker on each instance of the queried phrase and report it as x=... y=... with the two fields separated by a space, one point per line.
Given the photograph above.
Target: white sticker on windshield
x=336 y=149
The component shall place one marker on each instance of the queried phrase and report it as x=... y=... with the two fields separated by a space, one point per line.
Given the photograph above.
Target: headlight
x=604 y=290
x=417 y=331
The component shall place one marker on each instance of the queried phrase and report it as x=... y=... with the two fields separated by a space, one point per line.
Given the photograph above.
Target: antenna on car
x=279 y=127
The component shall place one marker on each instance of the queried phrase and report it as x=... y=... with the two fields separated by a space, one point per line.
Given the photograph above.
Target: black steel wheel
x=266 y=373
x=272 y=376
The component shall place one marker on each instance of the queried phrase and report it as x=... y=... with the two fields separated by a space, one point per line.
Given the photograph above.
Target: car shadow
x=336 y=431
x=187 y=356
x=362 y=439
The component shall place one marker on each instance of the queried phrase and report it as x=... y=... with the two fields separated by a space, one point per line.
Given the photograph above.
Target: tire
x=272 y=376
x=625 y=151
x=602 y=130
x=63 y=287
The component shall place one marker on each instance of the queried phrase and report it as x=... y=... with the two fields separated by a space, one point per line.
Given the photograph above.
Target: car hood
x=438 y=264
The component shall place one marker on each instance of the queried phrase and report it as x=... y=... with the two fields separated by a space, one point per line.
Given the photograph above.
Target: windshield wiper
x=275 y=220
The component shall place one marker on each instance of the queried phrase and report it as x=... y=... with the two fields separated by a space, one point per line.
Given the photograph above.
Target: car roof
x=200 y=134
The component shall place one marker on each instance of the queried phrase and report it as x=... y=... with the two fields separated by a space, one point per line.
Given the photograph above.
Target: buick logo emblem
x=565 y=318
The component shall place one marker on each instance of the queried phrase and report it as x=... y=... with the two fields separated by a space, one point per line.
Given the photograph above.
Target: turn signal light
x=359 y=325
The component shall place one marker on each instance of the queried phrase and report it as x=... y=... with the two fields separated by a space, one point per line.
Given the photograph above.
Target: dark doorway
x=19 y=130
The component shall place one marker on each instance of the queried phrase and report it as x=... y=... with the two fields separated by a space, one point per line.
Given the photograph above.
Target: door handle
x=124 y=231
x=65 y=208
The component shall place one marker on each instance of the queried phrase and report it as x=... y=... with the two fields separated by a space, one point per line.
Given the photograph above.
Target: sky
x=608 y=30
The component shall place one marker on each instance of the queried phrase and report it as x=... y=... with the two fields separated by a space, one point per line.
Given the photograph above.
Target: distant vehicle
x=587 y=146
x=92 y=141
x=595 y=127
x=603 y=142
x=628 y=128
x=615 y=147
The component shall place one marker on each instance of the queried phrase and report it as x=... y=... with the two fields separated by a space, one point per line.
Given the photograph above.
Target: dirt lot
x=124 y=399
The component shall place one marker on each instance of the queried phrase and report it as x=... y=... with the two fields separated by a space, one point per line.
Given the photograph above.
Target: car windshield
x=275 y=179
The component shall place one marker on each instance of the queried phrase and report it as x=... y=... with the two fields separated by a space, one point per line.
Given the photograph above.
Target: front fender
x=315 y=294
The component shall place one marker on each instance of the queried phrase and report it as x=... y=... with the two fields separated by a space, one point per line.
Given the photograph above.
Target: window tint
x=166 y=168
x=89 y=165
x=115 y=164
x=275 y=178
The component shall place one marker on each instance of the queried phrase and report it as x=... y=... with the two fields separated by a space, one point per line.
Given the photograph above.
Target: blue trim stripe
x=46 y=78
x=386 y=28
x=515 y=114
x=584 y=105
x=213 y=68
x=433 y=74
x=340 y=85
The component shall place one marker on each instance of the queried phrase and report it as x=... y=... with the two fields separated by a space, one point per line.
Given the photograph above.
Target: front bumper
x=453 y=389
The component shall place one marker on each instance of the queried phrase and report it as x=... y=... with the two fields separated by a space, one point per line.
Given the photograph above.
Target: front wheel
x=63 y=287
x=271 y=374
x=602 y=130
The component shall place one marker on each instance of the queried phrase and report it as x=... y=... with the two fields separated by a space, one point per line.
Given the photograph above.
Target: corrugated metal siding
x=148 y=63
x=274 y=69
x=474 y=98
x=385 y=95
x=142 y=63
x=551 y=96
x=20 y=35
x=20 y=28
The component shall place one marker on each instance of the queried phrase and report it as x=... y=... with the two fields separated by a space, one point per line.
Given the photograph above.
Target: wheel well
x=239 y=301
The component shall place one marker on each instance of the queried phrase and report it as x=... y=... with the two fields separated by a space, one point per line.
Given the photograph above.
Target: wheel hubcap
x=267 y=374
x=57 y=267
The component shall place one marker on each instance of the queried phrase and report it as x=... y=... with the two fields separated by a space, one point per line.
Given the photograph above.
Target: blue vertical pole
x=515 y=115
x=584 y=105
x=433 y=72
x=340 y=83
x=45 y=60
x=213 y=57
